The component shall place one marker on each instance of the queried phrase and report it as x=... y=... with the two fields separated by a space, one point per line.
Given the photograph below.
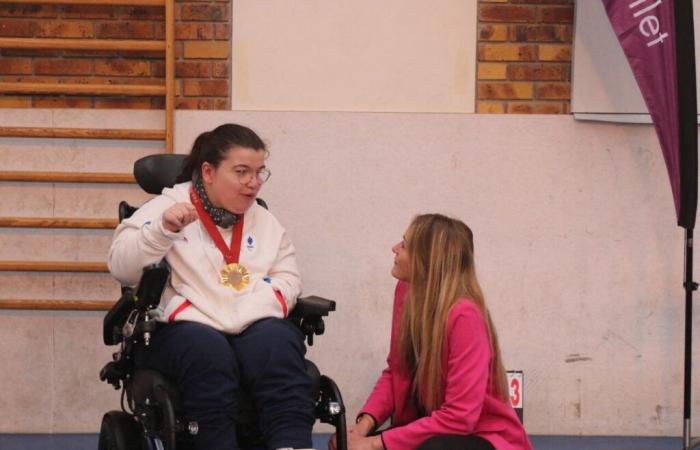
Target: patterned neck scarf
x=220 y=216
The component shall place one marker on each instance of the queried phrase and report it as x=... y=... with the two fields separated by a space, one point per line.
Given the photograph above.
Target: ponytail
x=191 y=166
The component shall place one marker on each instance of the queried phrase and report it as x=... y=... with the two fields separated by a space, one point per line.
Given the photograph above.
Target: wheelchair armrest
x=146 y=297
x=308 y=315
x=151 y=285
x=312 y=306
x=116 y=317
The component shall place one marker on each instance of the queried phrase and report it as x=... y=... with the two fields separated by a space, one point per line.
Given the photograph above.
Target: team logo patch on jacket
x=250 y=243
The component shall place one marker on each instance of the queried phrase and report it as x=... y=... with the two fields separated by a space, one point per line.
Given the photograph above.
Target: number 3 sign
x=516 y=388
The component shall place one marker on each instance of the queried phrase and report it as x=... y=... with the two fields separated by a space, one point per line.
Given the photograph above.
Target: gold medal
x=235 y=276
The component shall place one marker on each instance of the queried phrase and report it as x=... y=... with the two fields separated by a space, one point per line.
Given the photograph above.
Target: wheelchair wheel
x=119 y=431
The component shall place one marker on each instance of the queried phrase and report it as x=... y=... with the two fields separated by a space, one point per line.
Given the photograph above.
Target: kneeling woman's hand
x=356 y=442
x=357 y=436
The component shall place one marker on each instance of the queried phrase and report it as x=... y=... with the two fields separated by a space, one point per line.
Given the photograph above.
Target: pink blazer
x=468 y=407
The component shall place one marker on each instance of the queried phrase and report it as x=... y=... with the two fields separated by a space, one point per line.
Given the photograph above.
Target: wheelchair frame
x=150 y=413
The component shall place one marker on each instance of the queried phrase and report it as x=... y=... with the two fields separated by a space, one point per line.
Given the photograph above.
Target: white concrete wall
x=576 y=242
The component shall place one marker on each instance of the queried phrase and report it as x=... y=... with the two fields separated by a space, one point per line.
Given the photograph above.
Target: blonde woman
x=445 y=387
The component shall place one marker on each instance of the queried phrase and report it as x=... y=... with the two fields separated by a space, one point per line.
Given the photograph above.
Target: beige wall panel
x=82 y=118
x=14 y=285
x=27 y=391
x=79 y=356
x=58 y=286
x=54 y=245
x=113 y=118
x=354 y=55
x=86 y=286
x=91 y=200
x=26 y=199
x=66 y=199
x=73 y=155
x=25 y=117
x=51 y=373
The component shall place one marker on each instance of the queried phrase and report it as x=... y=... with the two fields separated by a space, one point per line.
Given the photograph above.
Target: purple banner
x=646 y=30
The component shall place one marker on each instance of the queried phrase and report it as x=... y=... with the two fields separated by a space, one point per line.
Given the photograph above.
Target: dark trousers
x=209 y=367
x=456 y=442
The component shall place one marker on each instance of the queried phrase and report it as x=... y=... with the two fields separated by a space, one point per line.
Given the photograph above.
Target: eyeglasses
x=245 y=174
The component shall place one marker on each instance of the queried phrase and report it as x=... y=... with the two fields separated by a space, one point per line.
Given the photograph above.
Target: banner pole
x=689 y=286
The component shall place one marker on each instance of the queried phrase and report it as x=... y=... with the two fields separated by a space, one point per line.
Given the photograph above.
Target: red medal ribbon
x=231 y=254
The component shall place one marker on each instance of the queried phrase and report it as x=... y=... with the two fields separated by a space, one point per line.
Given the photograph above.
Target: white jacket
x=266 y=252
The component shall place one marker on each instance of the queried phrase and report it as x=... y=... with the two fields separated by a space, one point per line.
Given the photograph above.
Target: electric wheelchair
x=150 y=417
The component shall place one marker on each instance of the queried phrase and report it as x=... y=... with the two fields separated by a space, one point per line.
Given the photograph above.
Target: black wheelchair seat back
x=152 y=416
x=153 y=173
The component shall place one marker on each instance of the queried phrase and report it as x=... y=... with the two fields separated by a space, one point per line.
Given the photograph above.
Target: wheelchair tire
x=119 y=431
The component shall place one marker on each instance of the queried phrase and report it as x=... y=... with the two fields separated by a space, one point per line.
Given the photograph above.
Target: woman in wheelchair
x=445 y=387
x=234 y=278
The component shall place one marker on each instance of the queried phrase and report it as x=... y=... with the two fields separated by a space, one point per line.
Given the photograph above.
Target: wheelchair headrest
x=156 y=172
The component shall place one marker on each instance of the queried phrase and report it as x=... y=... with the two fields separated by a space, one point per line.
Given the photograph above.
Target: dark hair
x=212 y=146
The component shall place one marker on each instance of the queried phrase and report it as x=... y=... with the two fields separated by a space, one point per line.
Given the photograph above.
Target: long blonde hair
x=441 y=266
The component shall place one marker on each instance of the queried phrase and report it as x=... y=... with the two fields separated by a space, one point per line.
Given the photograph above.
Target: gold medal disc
x=235 y=276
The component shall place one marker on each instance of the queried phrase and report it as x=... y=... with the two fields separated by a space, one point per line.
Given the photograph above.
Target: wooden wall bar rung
x=53 y=266
x=84 y=133
x=57 y=305
x=82 y=89
x=58 y=222
x=68 y=177
x=83 y=44
x=89 y=2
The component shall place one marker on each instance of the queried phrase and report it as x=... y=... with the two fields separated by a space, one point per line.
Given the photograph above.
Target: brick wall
x=524 y=62
x=203 y=57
